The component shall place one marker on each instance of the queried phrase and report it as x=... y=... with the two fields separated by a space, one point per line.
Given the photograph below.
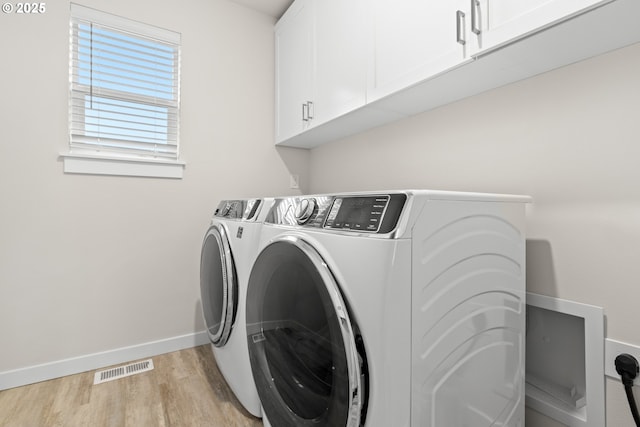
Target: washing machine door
x=306 y=355
x=218 y=285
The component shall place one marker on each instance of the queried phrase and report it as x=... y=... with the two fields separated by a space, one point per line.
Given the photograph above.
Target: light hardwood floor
x=184 y=389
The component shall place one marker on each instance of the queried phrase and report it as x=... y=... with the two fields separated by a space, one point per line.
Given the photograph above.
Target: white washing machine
x=402 y=308
x=228 y=251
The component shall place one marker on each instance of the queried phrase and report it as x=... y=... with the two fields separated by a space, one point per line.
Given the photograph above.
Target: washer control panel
x=238 y=209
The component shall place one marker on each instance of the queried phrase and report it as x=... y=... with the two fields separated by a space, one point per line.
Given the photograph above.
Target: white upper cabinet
x=320 y=63
x=341 y=60
x=496 y=22
x=295 y=70
x=414 y=40
x=344 y=66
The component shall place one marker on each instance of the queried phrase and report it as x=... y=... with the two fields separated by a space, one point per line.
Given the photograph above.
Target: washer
x=402 y=308
x=228 y=251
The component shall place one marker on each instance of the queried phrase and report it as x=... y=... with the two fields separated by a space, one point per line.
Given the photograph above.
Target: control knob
x=225 y=209
x=304 y=210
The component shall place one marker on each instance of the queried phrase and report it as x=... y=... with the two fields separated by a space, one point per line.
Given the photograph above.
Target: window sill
x=93 y=164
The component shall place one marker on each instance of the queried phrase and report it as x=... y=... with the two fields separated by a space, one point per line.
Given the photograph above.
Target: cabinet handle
x=310 y=111
x=305 y=112
x=460 y=28
x=475 y=25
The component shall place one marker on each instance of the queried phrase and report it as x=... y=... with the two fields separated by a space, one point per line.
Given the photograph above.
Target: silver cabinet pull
x=460 y=27
x=305 y=112
x=310 y=111
x=475 y=25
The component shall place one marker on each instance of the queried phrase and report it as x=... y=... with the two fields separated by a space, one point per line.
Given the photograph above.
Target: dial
x=305 y=210
x=225 y=210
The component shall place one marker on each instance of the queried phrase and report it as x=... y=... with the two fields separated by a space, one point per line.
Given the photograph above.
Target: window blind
x=124 y=86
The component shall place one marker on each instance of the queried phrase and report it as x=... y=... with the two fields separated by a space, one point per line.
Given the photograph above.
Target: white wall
x=96 y=263
x=91 y=263
x=569 y=138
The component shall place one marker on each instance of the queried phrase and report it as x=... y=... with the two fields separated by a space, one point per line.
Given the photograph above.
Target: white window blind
x=124 y=87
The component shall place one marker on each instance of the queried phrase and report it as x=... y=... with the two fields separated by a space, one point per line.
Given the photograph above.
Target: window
x=124 y=96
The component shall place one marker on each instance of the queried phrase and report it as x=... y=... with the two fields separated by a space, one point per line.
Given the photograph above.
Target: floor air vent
x=122 y=371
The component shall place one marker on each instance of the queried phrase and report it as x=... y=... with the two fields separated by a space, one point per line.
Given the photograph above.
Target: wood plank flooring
x=184 y=389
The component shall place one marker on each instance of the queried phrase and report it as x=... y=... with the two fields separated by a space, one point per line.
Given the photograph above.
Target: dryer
x=228 y=251
x=402 y=308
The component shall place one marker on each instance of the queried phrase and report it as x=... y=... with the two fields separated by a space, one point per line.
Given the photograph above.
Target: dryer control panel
x=352 y=213
x=357 y=213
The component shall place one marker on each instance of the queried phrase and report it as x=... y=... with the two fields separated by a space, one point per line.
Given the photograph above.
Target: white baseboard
x=89 y=362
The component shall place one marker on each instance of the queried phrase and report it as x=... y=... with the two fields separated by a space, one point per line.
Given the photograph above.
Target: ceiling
x=273 y=8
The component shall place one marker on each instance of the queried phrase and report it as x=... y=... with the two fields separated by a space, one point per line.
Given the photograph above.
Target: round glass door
x=303 y=347
x=218 y=285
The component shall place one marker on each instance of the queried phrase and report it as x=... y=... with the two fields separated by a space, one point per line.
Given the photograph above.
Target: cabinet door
x=503 y=21
x=415 y=40
x=341 y=40
x=294 y=69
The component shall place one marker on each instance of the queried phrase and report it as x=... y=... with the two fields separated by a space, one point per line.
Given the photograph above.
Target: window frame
x=92 y=161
